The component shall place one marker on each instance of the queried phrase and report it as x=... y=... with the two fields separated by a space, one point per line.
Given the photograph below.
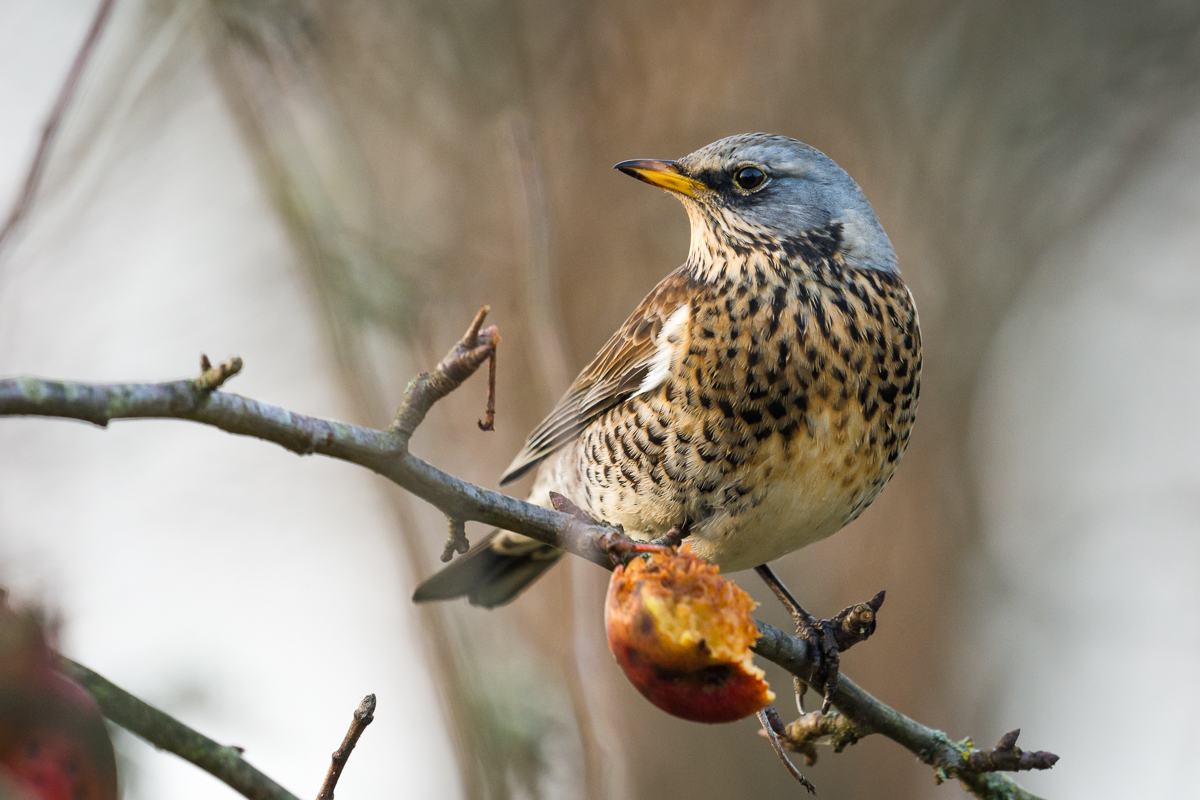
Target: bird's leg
x=827 y=637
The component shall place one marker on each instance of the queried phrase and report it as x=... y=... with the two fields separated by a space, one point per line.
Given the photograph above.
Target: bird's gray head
x=756 y=188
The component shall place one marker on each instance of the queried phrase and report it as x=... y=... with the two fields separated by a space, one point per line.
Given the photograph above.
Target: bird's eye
x=749 y=178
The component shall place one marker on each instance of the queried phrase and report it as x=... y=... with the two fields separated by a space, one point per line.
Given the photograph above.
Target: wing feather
x=614 y=375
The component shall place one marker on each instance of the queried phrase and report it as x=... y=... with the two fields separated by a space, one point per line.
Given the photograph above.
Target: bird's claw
x=673 y=537
x=829 y=639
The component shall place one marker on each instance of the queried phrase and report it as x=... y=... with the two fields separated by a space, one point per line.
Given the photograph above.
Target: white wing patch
x=664 y=349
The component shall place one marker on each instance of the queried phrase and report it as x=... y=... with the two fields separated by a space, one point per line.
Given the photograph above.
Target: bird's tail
x=492 y=572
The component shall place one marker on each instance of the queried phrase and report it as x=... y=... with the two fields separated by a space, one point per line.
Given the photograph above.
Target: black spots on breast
x=751 y=304
x=789 y=430
x=818 y=310
x=864 y=392
x=751 y=416
x=785 y=352
x=777 y=409
x=869 y=412
x=901 y=370
x=731 y=352
x=752 y=357
x=756 y=393
x=778 y=304
x=839 y=374
x=887 y=393
x=726 y=408
x=855 y=333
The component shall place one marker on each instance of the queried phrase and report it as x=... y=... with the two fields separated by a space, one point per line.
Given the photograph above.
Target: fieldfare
x=756 y=401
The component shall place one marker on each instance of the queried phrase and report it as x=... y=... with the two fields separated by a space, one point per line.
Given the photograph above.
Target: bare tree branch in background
x=386 y=452
x=50 y=127
x=167 y=733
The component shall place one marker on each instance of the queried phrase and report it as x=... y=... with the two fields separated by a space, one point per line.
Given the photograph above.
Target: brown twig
x=488 y=423
x=53 y=122
x=364 y=715
x=1007 y=757
x=460 y=363
x=772 y=726
x=386 y=452
x=868 y=715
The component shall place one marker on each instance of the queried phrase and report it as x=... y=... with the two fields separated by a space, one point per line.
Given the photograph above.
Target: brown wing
x=612 y=377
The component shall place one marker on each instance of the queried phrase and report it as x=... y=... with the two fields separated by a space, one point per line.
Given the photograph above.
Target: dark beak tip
x=647 y=164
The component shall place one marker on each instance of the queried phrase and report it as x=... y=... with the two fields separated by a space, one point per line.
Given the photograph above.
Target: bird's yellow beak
x=664 y=174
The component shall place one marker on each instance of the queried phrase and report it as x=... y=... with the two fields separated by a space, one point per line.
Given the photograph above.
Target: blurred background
x=331 y=188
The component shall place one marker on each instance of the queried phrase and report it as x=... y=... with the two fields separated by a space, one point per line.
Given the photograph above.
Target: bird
x=756 y=401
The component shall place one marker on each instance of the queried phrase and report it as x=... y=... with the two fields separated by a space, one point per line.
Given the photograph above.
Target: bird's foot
x=619 y=546
x=826 y=638
x=674 y=537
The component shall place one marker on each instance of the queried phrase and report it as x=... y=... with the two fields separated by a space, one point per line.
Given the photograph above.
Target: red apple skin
x=53 y=741
x=681 y=634
x=714 y=693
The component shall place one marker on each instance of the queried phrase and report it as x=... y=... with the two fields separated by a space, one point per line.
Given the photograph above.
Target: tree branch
x=364 y=715
x=386 y=452
x=167 y=733
x=50 y=128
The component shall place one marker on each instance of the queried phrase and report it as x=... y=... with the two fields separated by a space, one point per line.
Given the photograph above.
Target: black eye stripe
x=749 y=178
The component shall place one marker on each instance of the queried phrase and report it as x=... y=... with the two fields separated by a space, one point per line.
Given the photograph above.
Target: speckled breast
x=787 y=408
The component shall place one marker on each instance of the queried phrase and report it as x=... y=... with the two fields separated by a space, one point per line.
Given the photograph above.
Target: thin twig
x=386 y=452
x=475 y=347
x=868 y=715
x=488 y=423
x=769 y=719
x=53 y=122
x=167 y=733
x=364 y=715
